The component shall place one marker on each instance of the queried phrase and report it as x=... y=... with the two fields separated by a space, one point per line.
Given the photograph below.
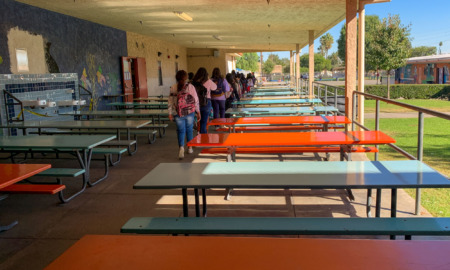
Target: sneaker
x=181 y=152
x=190 y=150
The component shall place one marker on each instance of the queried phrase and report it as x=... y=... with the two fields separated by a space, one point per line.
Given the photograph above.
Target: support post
x=419 y=157
x=311 y=63
x=361 y=60
x=350 y=55
x=291 y=68
x=297 y=66
x=261 y=64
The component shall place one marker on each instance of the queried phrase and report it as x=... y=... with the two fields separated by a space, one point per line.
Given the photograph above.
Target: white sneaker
x=190 y=150
x=181 y=152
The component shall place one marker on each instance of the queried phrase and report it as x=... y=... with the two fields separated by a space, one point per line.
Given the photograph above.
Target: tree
x=371 y=23
x=326 y=41
x=440 y=45
x=423 y=51
x=248 y=61
x=268 y=66
x=320 y=63
x=391 y=46
x=335 y=60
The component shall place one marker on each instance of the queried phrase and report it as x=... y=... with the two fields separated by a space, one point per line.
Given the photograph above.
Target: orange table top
x=13 y=173
x=282 y=120
x=290 y=139
x=180 y=252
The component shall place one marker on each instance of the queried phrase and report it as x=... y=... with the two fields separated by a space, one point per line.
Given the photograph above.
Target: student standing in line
x=183 y=105
x=218 y=96
x=202 y=78
x=233 y=94
x=249 y=81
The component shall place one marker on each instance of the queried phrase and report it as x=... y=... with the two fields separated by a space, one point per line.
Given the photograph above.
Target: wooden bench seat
x=278 y=128
x=288 y=226
x=33 y=189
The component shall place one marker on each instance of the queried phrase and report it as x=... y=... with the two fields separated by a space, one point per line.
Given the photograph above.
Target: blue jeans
x=219 y=108
x=185 y=127
x=204 y=113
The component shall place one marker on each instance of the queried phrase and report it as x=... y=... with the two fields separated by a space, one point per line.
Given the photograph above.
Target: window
x=160 y=73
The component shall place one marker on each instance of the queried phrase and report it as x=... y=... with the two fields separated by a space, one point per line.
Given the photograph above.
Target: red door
x=140 y=73
x=127 y=79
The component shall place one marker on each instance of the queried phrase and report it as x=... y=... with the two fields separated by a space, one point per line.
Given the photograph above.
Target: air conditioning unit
x=216 y=53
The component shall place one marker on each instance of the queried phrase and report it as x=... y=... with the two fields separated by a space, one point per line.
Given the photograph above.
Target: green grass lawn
x=436 y=154
x=432 y=104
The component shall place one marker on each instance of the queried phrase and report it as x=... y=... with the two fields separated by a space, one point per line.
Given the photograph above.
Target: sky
x=429 y=22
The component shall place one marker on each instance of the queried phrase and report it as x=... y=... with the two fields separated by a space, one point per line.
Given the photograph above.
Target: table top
x=273 y=97
x=270 y=93
x=271 y=110
x=137 y=104
x=80 y=124
x=61 y=142
x=278 y=101
x=119 y=113
x=272 y=89
x=13 y=173
x=284 y=120
x=152 y=98
x=301 y=175
x=290 y=139
x=169 y=252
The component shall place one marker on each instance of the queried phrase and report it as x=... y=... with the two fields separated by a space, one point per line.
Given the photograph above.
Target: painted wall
x=148 y=48
x=423 y=73
x=205 y=58
x=58 y=43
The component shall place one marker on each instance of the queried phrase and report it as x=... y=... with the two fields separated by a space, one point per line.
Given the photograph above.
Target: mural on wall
x=70 y=45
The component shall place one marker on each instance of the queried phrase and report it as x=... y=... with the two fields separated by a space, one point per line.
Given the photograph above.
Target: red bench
x=33 y=189
x=277 y=128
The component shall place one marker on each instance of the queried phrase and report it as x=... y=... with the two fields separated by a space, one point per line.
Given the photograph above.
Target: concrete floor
x=46 y=228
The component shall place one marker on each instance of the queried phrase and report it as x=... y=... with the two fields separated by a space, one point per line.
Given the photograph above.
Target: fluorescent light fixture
x=217 y=37
x=183 y=16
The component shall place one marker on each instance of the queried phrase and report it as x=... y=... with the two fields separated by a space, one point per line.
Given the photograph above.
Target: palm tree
x=440 y=45
x=326 y=41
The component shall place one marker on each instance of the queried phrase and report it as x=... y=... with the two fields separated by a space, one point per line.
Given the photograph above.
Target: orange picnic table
x=169 y=252
x=279 y=123
x=13 y=173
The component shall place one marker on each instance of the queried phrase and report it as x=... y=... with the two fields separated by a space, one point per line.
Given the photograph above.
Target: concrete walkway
x=46 y=228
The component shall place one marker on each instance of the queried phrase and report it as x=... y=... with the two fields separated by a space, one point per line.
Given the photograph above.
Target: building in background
x=433 y=69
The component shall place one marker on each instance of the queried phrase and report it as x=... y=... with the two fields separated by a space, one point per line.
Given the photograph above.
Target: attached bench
x=47 y=187
x=278 y=128
x=289 y=226
x=33 y=189
x=151 y=134
x=109 y=152
x=288 y=150
x=127 y=143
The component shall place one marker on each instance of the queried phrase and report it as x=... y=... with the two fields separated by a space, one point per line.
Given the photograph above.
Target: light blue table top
x=278 y=101
x=61 y=142
x=119 y=113
x=277 y=93
x=315 y=174
x=271 y=110
x=119 y=124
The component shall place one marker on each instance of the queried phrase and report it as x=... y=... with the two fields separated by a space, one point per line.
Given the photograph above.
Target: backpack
x=185 y=102
x=202 y=93
x=220 y=89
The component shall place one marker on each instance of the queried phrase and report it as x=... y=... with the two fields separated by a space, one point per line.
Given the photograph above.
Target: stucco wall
x=148 y=48
x=205 y=58
x=58 y=43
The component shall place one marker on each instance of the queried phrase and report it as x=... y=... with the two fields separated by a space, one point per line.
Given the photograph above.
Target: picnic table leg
x=197 y=202
x=393 y=207
x=204 y=202
x=378 y=203
x=9 y=226
x=185 y=202
x=369 y=203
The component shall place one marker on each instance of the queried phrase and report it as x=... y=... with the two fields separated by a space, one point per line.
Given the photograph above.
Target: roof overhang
x=250 y=25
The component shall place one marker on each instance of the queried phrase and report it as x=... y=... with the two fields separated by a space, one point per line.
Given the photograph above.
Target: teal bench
x=126 y=143
x=289 y=226
x=109 y=152
x=59 y=173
